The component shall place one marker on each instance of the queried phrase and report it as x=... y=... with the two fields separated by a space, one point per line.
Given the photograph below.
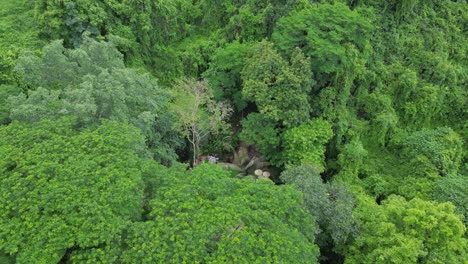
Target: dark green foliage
x=4 y=258
x=254 y=20
x=280 y=90
x=133 y=20
x=166 y=35
x=224 y=74
x=410 y=165
x=259 y=130
x=143 y=28
x=64 y=189
x=384 y=119
x=336 y=39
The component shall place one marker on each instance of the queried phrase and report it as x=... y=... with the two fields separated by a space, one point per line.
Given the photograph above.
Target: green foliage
x=195 y=53
x=198 y=115
x=307 y=179
x=280 y=92
x=64 y=189
x=379 y=86
x=426 y=59
x=205 y=216
x=337 y=41
x=384 y=119
x=92 y=83
x=441 y=147
x=170 y=38
x=305 y=144
x=144 y=28
x=254 y=20
x=414 y=187
x=454 y=189
x=5 y=92
x=224 y=73
x=409 y=168
x=6 y=259
x=258 y=130
x=38 y=104
x=278 y=88
x=352 y=157
x=18 y=31
x=80 y=195
x=334 y=37
x=415 y=231
x=136 y=19
x=59 y=67
x=332 y=205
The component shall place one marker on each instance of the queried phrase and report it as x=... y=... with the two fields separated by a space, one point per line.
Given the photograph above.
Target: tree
x=63 y=190
x=38 y=104
x=146 y=31
x=258 y=130
x=383 y=118
x=336 y=41
x=5 y=92
x=19 y=31
x=252 y=21
x=331 y=204
x=441 y=147
x=278 y=88
x=224 y=73
x=369 y=94
x=454 y=189
x=92 y=83
x=280 y=91
x=414 y=231
x=305 y=144
x=90 y=195
x=333 y=36
x=205 y=216
x=352 y=157
x=198 y=115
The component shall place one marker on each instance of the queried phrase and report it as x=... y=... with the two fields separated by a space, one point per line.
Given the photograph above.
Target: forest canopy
x=224 y=131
